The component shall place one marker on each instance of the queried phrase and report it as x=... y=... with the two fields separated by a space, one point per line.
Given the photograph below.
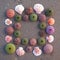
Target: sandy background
x=55 y=4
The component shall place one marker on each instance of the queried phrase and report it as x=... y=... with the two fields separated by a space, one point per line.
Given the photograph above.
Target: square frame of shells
x=46 y=22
